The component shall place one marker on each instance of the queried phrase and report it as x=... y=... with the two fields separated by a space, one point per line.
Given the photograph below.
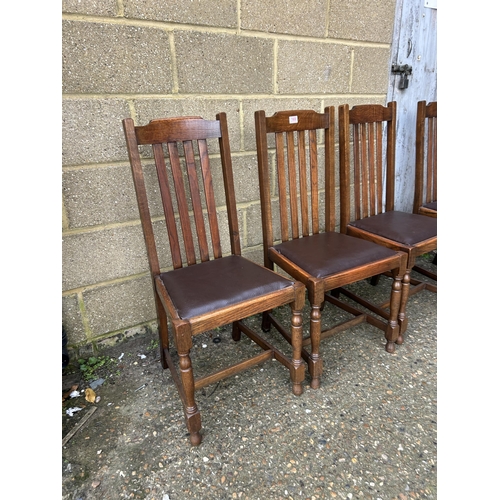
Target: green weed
x=89 y=367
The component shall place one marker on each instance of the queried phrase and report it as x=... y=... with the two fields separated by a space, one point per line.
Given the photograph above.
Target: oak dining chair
x=296 y=160
x=425 y=197
x=367 y=191
x=207 y=283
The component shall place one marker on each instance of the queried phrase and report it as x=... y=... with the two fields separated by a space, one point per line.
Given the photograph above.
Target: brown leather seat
x=332 y=253
x=400 y=227
x=211 y=285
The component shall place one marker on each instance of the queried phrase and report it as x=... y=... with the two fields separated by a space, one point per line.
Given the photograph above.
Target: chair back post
x=330 y=215
x=431 y=114
x=419 y=156
x=227 y=172
x=142 y=199
x=390 y=176
x=344 y=167
x=264 y=188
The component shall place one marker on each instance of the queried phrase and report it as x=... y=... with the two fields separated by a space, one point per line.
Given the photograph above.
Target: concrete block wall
x=150 y=58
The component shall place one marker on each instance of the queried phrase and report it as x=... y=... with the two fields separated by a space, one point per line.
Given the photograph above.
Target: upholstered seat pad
x=431 y=206
x=329 y=253
x=218 y=283
x=402 y=227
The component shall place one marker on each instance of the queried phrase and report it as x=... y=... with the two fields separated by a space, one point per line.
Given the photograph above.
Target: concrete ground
x=369 y=432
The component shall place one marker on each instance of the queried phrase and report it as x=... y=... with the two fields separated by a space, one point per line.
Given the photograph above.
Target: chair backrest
x=425 y=155
x=297 y=169
x=183 y=166
x=370 y=164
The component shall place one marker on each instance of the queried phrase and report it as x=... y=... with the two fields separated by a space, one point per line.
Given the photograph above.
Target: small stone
x=95 y=483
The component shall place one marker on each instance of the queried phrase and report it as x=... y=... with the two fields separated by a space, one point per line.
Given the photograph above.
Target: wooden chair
x=205 y=289
x=306 y=247
x=373 y=217
x=425 y=199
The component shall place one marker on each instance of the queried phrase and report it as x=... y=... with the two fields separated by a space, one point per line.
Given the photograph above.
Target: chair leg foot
x=195 y=438
x=400 y=339
x=297 y=376
x=315 y=367
x=315 y=383
x=193 y=424
x=297 y=389
x=390 y=347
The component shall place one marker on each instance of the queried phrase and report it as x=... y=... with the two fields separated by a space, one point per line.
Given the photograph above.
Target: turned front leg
x=193 y=417
x=402 y=317
x=392 y=330
x=315 y=362
x=191 y=412
x=297 y=370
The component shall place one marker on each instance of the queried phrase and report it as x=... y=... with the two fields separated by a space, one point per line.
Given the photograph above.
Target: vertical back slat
x=210 y=198
x=373 y=148
x=304 y=210
x=196 y=200
x=292 y=183
x=364 y=169
x=282 y=187
x=313 y=165
x=357 y=151
x=168 y=209
x=379 y=167
x=428 y=187
x=182 y=204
